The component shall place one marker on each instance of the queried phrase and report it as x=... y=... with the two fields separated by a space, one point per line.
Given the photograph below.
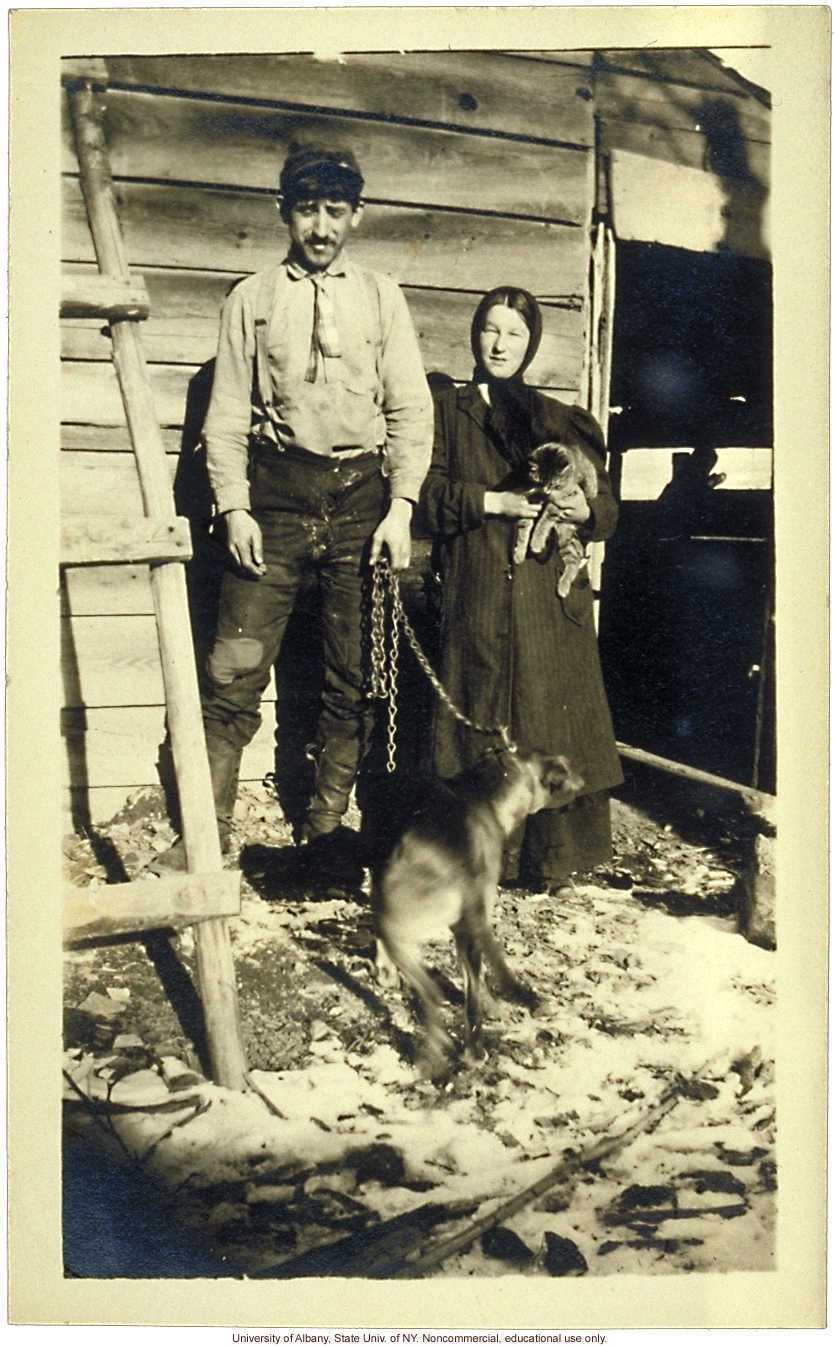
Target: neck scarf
x=325 y=337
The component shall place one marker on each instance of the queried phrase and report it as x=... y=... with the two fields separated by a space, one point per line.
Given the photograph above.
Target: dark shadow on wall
x=727 y=156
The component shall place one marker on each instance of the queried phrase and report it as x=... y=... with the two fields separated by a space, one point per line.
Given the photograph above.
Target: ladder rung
x=107 y=539
x=149 y=904
x=103 y=297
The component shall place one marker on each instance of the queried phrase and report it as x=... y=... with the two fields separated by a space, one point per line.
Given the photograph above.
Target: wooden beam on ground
x=104 y=540
x=149 y=904
x=216 y=970
x=103 y=297
x=756 y=916
x=759 y=804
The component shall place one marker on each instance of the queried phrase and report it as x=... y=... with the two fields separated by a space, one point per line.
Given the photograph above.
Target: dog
x=556 y=469
x=442 y=875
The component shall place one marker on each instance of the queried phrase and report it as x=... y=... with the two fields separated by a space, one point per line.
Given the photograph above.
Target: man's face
x=318 y=230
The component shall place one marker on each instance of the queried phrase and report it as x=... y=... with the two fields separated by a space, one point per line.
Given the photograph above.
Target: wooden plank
x=701 y=212
x=155 y=137
x=678 y=65
x=97 y=540
x=107 y=590
x=678 y=107
x=119 y=746
x=477 y=90
x=101 y=483
x=98 y=296
x=239 y=231
x=677 y=147
x=442 y=320
x=114 y=909
x=111 y=439
x=760 y=804
x=114 y=660
x=90 y=393
x=111 y=661
x=190 y=341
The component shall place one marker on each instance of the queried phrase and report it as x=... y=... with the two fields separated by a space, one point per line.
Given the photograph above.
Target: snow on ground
x=341 y=1134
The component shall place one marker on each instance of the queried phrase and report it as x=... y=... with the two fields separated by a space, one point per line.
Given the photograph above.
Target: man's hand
x=244 y=541
x=393 y=532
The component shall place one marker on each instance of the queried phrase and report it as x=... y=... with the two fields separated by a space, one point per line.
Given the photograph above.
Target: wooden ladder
x=206 y=894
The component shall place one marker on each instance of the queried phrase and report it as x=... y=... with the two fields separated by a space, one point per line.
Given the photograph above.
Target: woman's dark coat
x=513 y=652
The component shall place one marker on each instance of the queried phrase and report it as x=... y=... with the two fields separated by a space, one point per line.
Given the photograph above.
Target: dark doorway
x=686 y=630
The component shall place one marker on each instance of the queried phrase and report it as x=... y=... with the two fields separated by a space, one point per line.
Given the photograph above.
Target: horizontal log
x=678 y=106
x=118 y=746
x=689 y=66
x=96 y=296
x=442 y=319
x=149 y=904
x=111 y=439
x=191 y=140
x=108 y=540
x=702 y=212
x=114 y=660
x=474 y=90
x=678 y=147
x=241 y=232
x=90 y=393
x=107 y=590
x=190 y=341
x=761 y=805
x=102 y=483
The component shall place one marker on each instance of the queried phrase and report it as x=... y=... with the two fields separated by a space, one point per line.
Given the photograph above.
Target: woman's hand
x=572 y=507
x=514 y=504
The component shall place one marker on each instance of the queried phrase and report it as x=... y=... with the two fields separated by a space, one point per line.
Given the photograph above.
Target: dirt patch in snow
x=345 y=1161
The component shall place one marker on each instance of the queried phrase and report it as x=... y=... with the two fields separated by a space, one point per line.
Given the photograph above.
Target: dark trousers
x=316 y=515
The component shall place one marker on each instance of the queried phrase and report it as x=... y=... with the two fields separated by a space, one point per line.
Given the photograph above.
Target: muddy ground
x=344 y=1160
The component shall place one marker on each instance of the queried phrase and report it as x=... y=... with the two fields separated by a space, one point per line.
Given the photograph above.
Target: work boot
x=224 y=764
x=334 y=850
x=336 y=771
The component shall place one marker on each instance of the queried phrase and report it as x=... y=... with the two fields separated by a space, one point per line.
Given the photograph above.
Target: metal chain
x=384 y=670
x=384 y=663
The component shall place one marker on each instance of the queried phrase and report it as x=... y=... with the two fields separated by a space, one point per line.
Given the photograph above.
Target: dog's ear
x=558 y=774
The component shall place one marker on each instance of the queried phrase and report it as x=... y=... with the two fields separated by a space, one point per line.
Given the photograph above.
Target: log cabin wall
x=479 y=170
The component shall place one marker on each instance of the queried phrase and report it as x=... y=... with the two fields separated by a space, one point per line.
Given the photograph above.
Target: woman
x=513 y=652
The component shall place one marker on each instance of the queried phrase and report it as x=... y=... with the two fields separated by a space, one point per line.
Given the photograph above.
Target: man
x=318 y=438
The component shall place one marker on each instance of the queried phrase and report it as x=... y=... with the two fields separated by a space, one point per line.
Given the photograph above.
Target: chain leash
x=385 y=662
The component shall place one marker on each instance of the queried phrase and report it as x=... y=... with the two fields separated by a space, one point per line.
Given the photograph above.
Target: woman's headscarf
x=512 y=403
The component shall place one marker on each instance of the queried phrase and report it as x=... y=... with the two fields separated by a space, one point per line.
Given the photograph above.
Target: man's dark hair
x=312 y=172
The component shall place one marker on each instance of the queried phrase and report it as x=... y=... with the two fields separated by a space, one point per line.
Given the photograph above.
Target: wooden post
x=600 y=346
x=216 y=971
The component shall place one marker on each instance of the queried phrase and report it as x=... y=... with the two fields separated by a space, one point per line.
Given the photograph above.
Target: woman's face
x=504 y=340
